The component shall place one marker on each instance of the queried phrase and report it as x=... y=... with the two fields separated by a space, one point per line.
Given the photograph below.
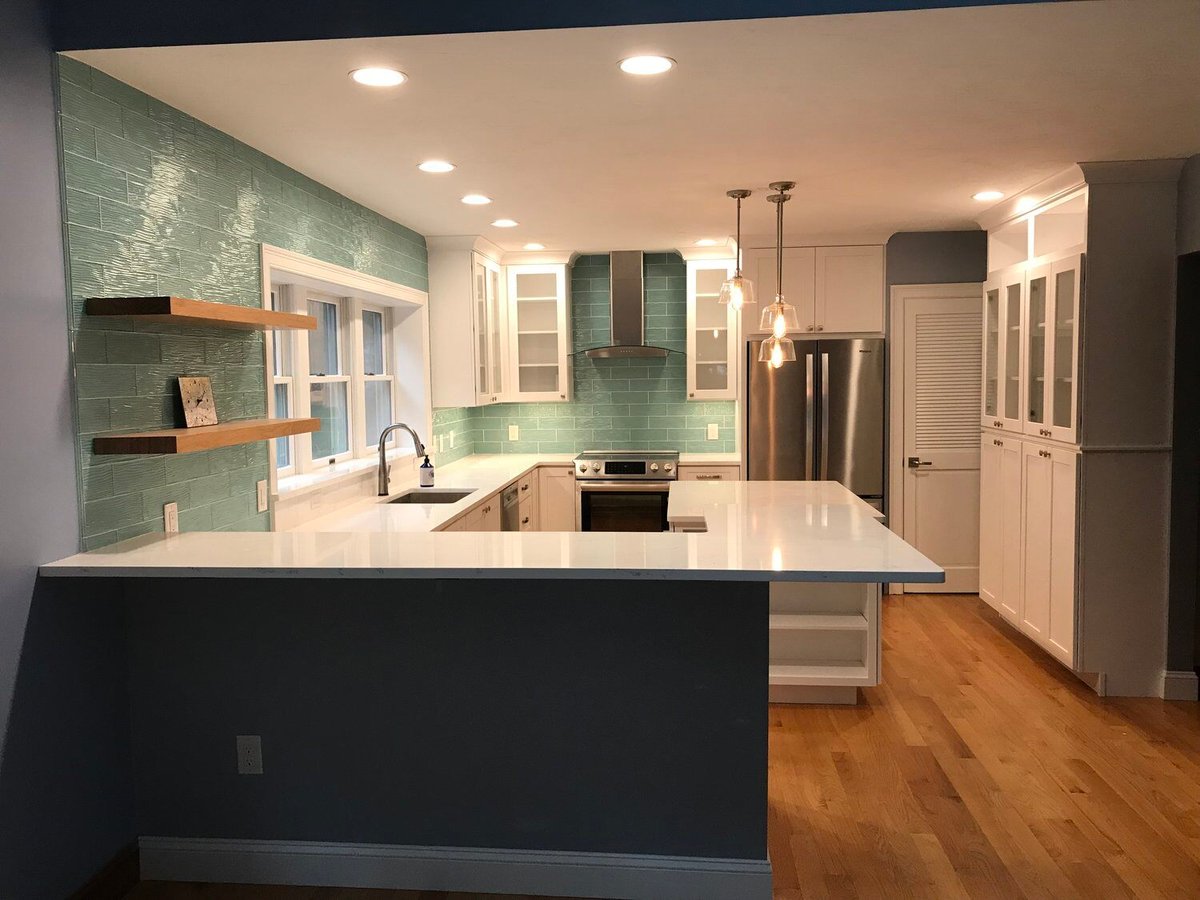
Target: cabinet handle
x=1044 y=432
x=820 y=328
x=997 y=424
x=808 y=328
x=562 y=396
x=486 y=510
x=708 y=476
x=998 y=443
x=1045 y=453
x=525 y=521
x=525 y=487
x=691 y=393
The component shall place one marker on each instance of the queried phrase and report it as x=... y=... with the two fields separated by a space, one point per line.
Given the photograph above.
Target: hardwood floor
x=979 y=768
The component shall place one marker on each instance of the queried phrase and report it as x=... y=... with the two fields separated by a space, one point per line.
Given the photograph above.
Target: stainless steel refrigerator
x=818 y=418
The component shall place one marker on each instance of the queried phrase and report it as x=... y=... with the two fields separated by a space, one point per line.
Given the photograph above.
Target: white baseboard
x=1180 y=686
x=618 y=875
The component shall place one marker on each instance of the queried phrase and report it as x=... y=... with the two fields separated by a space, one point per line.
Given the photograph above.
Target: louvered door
x=942 y=383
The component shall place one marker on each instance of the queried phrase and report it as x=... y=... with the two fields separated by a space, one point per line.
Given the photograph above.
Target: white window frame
x=305 y=380
x=281 y=356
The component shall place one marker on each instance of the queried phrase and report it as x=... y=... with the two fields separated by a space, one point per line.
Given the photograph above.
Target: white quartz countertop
x=756 y=531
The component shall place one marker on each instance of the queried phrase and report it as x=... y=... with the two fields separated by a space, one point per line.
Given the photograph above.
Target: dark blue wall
x=85 y=24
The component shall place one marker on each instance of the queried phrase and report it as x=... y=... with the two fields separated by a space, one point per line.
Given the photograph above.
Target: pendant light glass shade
x=779 y=318
x=737 y=291
x=776 y=351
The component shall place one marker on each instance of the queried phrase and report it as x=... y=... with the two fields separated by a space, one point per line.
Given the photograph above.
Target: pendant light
x=737 y=291
x=780 y=317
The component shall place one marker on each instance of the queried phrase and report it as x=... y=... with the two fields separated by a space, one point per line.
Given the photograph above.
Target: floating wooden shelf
x=204 y=437
x=182 y=311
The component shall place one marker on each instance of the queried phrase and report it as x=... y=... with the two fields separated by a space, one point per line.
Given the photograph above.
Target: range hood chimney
x=627 y=310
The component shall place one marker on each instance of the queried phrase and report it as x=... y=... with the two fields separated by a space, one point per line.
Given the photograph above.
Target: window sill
x=294 y=486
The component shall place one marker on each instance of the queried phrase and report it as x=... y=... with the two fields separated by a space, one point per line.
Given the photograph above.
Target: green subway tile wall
x=618 y=403
x=157 y=202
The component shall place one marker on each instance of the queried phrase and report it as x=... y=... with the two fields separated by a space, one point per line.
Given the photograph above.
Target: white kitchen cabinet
x=1052 y=348
x=836 y=290
x=849 y=289
x=1048 y=585
x=467 y=325
x=1003 y=337
x=527 y=501
x=539 y=319
x=483 y=516
x=556 y=498
x=1000 y=524
x=712 y=332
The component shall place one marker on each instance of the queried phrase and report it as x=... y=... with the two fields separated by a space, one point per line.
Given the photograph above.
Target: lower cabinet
x=484 y=516
x=1027 y=542
x=556 y=498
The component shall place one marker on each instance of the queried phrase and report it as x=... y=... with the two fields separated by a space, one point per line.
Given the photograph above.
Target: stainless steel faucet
x=384 y=468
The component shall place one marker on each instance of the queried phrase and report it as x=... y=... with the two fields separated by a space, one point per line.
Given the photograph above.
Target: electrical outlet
x=171 y=518
x=249 y=753
x=514 y=432
x=451 y=440
x=262 y=496
x=714 y=432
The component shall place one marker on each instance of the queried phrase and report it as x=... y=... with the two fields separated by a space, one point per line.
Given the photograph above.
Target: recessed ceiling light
x=535 y=246
x=505 y=223
x=988 y=196
x=646 y=65
x=436 y=166
x=378 y=76
x=476 y=200
x=706 y=242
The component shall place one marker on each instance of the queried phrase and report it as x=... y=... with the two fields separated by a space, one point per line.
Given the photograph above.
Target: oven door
x=621 y=505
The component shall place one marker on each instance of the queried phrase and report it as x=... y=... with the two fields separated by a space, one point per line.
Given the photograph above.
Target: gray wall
x=1189 y=207
x=64 y=775
x=936 y=257
x=565 y=715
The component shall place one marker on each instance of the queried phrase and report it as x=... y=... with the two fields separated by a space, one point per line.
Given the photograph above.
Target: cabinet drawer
x=527 y=514
x=710 y=473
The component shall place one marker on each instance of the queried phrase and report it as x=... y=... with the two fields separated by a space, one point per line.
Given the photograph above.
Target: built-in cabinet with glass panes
x=539 y=327
x=489 y=330
x=711 y=332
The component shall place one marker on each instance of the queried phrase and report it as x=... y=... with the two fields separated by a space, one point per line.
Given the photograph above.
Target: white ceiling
x=887 y=121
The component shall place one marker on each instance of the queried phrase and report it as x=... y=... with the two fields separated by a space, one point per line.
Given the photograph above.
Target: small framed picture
x=199 y=408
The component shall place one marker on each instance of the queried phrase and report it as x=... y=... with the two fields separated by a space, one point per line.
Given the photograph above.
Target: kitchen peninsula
x=574 y=713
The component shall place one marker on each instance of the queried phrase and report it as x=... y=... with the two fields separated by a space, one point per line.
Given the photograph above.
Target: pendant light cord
x=738 y=268
x=779 y=247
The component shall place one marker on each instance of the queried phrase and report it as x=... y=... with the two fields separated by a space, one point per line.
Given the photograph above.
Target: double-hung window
x=342 y=373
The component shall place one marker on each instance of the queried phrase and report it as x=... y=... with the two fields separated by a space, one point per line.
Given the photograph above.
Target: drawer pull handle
x=525 y=521
x=525 y=487
x=998 y=443
x=997 y=424
x=708 y=476
x=1044 y=453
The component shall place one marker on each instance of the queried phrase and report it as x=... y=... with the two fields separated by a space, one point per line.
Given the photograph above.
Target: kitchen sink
x=432 y=495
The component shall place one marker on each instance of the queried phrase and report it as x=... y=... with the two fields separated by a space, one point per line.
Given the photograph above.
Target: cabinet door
x=481 y=320
x=1037 y=475
x=556 y=498
x=1037 y=351
x=990 y=400
x=1012 y=312
x=1009 y=599
x=849 y=289
x=489 y=514
x=1062 y=371
x=497 y=333
x=712 y=330
x=539 y=319
x=991 y=519
x=1060 y=638
x=799 y=285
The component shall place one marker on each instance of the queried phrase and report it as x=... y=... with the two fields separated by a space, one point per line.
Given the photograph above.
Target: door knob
x=916 y=461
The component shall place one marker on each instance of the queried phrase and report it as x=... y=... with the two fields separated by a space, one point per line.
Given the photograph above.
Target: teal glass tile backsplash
x=618 y=403
x=157 y=202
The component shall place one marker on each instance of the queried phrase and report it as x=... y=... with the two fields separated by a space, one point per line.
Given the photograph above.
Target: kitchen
x=786 y=404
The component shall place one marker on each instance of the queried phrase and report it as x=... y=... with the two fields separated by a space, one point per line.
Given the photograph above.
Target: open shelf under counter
x=182 y=311
x=804 y=622
x=203 y=437
x=820 y=674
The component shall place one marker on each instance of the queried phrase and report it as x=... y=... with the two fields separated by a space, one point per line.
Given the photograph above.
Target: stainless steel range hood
x=627 y=310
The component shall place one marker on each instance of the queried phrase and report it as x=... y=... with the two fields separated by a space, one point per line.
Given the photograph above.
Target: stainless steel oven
x=623 y=491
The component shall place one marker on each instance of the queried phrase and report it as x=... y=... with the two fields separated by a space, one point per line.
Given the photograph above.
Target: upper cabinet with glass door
x=539 y=319
x=467 y=323
x=489 y=330
x=1052 y=348
x=712 y=332
x=1003 y=309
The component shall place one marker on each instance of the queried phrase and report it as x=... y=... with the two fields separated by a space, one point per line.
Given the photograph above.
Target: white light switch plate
x=262 y=496
x=249 y=752
x=713 y=431
x=514 y=432
x=171 y=518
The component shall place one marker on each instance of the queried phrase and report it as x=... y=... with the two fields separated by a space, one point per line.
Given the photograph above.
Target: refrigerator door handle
x=824 y=416
x=809 y=416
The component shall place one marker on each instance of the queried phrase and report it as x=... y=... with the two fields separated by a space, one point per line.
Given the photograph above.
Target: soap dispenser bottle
x=426 y=473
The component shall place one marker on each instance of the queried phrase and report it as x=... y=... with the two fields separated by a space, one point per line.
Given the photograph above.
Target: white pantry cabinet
x=1003 y=314
x=539 y=318
x=836 y=290
x=1000 y=524
x=1052 y=348
x=712 y=332
x=1048 y=590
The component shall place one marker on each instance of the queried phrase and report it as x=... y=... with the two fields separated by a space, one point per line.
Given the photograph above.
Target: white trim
x=335 y=277
x=898 y=294
x=1180 y=686
x=398 y=867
